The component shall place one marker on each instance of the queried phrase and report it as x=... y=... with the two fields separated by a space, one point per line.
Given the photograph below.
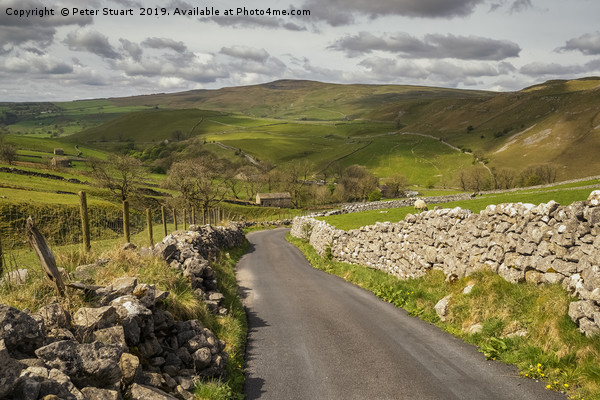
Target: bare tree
x=397 y=184
x=476 y=178
x=357 y=182
x=538 y=174
x=232 y=179
x=293 y=179
x=505 y=178
x=121 y=175
x=199 y=181
x=8 y=152
x=251 y=178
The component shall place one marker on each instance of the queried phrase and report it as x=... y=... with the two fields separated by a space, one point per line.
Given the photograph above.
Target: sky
x=60 y=50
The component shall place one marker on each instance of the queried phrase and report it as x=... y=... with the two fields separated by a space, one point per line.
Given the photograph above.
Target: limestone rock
x=131 y=370
x=142 y=392
x=17 y=277
x=94 y=364
x=441 y=308
x=202 y=358
x=93 y=393
x=55 y=316
x=87 y=319
x=20 y=331
x=9 y=372
x=60 y=385
x=593 y=199
x=581 y=309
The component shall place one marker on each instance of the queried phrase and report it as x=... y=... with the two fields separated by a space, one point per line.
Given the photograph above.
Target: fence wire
x=61 y=225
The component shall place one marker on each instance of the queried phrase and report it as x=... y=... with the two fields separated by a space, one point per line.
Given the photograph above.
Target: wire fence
x=62 y=224
x=101 y=225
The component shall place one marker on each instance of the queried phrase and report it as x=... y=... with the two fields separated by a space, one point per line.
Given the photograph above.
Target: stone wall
x=378 y=205
x=547 y=243
x=126 y=346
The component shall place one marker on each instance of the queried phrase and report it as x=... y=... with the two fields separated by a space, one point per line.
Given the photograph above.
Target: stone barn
x=60 y=162
x=274 y=199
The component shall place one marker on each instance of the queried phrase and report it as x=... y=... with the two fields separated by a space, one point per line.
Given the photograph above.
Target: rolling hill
x=428 y=134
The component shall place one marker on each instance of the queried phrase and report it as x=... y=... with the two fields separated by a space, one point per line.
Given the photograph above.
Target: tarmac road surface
x=316 y=336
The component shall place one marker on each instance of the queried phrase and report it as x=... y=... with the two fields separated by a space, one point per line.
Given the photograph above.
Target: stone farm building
x=274 y=199
x=62 y=162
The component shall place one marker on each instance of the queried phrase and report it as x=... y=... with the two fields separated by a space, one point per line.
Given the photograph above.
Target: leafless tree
x=121 y=175
x=251 y=177
x=199 y=181
x=397 y=184
x=356 y=183
x=8 y=152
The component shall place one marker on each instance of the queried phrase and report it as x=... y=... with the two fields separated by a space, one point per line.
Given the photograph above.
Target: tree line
x=480 y=178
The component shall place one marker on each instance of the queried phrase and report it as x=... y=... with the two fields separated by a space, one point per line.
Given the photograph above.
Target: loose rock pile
x=128 y=346
x=189 y=252
x=547 y=243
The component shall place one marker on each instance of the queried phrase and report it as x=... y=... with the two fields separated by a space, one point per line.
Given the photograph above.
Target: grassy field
x=42 y=147
x=563 y=197
x=66 y=118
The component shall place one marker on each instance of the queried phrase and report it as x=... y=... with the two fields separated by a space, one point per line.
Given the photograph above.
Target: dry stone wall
x=127 y=345
x=547 y=243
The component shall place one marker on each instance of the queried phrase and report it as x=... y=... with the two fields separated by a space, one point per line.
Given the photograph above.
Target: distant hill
x=388 y=128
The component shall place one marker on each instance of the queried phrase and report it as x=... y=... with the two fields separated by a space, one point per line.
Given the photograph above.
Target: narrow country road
x=315 y=336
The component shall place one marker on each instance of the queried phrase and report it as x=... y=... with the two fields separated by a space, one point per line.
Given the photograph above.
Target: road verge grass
x=520 y=324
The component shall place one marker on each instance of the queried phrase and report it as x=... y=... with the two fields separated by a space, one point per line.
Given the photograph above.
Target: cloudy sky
x=498 y=45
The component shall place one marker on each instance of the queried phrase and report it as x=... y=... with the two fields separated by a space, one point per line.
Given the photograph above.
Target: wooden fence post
x=184 y=219
x=164 y=219
x=85 y=221
x=149 y=223
x=175 y=217
x=126 y=221
x=37 y=241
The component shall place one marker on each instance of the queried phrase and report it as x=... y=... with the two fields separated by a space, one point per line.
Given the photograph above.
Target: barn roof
x=284 y=195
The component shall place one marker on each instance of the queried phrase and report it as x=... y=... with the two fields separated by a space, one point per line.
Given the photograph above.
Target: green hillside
x=413 y=130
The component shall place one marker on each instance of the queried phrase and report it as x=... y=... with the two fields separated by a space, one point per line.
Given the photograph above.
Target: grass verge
x=232 y=328
x=522 y=324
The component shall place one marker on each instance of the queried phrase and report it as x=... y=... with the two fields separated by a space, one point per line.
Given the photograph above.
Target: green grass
x=72 y=117
x=553 y=350
x=32 y=145
x=145 y=127
x=476 y=205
